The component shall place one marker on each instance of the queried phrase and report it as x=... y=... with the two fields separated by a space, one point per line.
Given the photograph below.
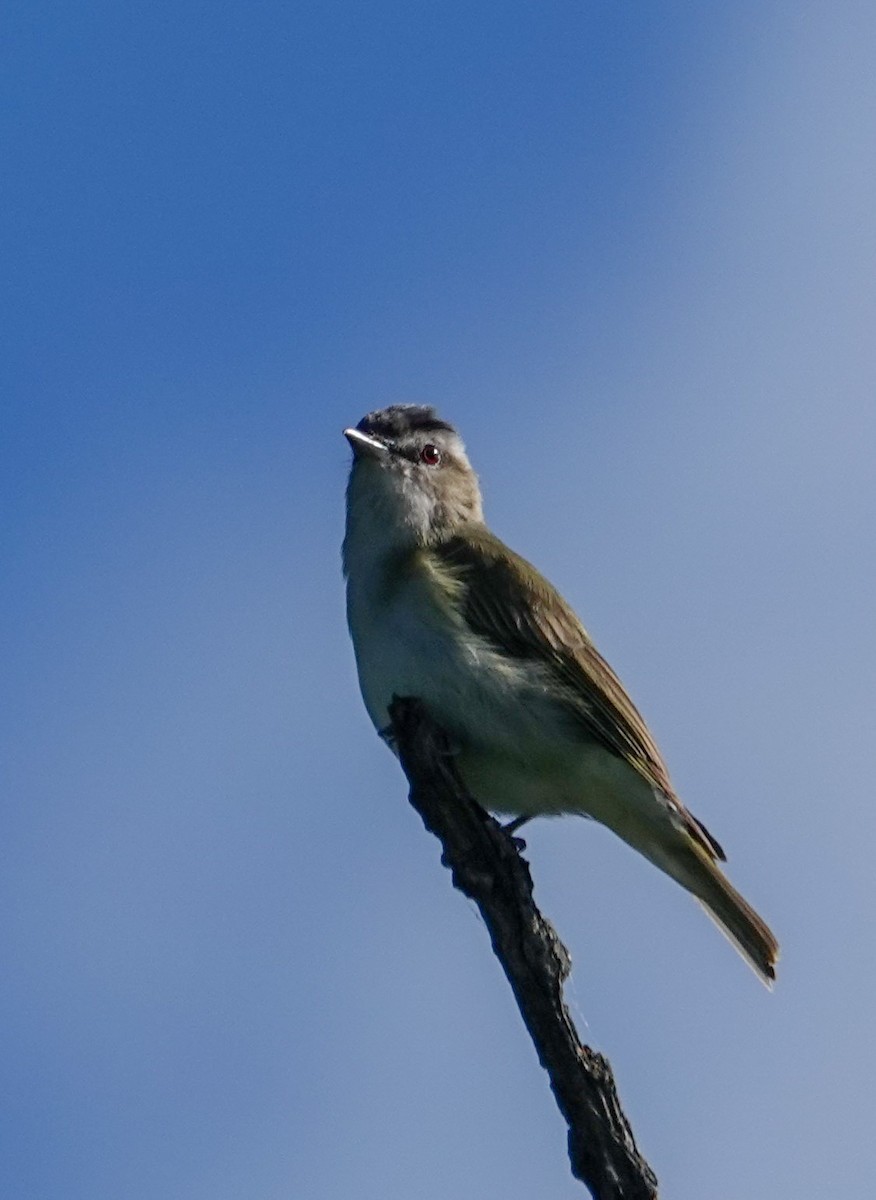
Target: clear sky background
x=629 y=250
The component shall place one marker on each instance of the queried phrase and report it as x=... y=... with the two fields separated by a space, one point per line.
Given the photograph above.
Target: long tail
x=695 y=870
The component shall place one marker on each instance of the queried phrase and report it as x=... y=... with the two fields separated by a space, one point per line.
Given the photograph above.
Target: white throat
x=385 y=516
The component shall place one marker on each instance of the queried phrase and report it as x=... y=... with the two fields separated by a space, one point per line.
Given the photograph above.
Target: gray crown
x=390 y=424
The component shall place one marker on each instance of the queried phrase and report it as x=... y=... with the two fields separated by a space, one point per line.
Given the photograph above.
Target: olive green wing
x=509 y=604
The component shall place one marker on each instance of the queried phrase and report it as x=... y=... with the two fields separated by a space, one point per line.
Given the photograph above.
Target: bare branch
x=487 y=867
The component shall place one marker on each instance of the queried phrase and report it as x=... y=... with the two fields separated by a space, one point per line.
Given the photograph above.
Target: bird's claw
x=387 y=733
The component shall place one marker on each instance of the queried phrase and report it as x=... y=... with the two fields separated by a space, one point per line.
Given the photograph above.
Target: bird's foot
x=387 y=734
x=449 y=747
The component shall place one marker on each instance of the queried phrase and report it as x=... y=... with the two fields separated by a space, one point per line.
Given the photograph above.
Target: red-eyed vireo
x=440 y=609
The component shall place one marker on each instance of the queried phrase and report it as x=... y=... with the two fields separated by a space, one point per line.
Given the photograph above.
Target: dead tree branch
x=487 y=867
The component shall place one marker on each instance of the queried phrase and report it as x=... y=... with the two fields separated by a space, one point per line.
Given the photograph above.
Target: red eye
x=430 y=455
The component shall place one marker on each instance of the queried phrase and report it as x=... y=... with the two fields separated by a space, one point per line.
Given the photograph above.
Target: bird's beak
x=365 y=446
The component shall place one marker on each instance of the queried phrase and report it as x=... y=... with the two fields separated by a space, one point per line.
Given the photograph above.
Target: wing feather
x=509 y=604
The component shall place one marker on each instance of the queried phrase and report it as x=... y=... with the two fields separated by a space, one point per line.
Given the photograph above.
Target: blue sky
x=629 y=250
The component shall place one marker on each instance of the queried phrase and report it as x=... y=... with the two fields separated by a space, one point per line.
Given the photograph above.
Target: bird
x=439 y=608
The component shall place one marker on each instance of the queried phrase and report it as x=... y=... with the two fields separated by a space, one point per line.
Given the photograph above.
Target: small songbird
x=439 y=608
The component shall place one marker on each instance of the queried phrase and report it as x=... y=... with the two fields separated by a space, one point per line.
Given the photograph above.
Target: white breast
x=409 y=643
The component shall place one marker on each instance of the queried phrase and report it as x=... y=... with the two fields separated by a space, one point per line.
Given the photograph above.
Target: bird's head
x=410 y=481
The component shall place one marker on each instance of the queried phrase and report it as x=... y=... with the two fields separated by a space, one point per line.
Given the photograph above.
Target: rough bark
x=487 y=866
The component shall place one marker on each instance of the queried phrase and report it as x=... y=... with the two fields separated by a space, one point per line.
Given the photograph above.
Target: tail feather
x=733 y=915
x=675 y=841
